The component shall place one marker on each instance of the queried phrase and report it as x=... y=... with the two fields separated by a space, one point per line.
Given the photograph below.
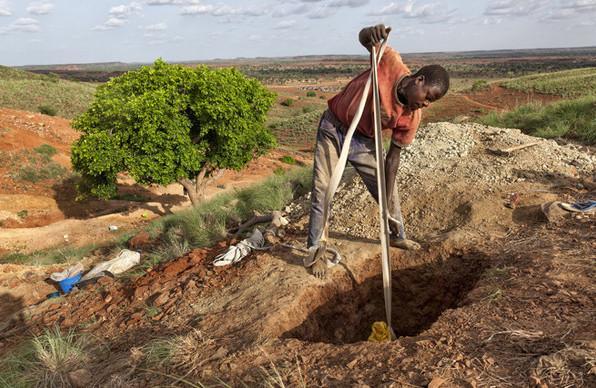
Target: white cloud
x=157 y=27
x=430 y=13
x=125 y=10
x=514 y=7
x=322 y=12
x=161 y=2
x=288 y=11
x=119 y=15
x=580 y=5
x=4 y=8
x=40 y=8
x=22 y=25
x=285 y=24
x=198 y=8
x=348 y=3
x=110 y=24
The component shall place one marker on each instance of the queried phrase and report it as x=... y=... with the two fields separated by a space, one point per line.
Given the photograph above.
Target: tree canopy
x=169 y=123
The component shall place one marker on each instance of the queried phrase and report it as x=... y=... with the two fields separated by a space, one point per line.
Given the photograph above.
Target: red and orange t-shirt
x=394 y=115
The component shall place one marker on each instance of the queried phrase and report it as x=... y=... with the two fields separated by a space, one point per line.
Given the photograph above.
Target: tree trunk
x=196 y=190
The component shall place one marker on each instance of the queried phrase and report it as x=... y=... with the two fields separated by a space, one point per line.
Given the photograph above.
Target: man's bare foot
x=406 y=244
x=319 y=268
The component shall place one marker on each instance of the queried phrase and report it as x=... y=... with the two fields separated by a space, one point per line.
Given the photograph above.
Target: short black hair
x=435 y=76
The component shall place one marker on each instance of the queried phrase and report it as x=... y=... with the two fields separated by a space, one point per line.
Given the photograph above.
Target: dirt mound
x=496 y=297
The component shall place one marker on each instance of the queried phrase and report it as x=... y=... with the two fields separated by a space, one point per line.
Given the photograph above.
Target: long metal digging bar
x=382 y=189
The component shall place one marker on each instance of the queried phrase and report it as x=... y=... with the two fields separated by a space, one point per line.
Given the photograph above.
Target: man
x=402 y=96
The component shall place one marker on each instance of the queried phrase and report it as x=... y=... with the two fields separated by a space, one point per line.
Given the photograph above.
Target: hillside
x=49 y=94
x=569 y=83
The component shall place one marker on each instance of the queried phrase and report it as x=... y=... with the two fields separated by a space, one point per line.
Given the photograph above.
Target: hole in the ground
x=420 y=295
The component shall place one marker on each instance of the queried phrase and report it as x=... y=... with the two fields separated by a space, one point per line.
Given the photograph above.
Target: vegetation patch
x=297 y=130
x=479 y=85
x=287 y=102
x=34 y=174
x=288 y=159
x=569 y=83
x=63 y=98
x=47 y=360
x=46 y=151
x=47 y=110
x=573 y=119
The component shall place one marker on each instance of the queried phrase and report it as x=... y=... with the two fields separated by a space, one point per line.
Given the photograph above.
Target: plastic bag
x=125 y=260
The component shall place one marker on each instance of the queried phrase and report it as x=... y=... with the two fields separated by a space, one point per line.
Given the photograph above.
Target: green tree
x=168 y=123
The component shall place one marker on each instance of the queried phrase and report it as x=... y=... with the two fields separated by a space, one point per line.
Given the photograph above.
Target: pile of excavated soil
x=498 y=296
x=451 y=174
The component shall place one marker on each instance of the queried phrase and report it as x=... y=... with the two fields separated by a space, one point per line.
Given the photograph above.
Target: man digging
x=402 y=96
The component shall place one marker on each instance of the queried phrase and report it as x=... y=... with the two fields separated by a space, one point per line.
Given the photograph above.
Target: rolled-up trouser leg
x=326 y=155
x=362 y=157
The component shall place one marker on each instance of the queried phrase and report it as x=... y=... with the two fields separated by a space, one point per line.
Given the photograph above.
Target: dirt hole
x=420 y=295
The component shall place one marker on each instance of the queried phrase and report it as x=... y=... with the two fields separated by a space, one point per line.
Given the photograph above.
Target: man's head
x=427 y=85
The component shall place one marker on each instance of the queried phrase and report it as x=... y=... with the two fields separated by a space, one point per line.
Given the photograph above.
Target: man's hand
x=372 y=36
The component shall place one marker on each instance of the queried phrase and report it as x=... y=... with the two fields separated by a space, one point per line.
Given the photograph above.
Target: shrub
x=46 y=151
x=311 y=93
x=308 y=109
x=47 y=110
x=288 y=159
x=480 y=85
x=169 y=123
x=287 y=102
x=45 y=361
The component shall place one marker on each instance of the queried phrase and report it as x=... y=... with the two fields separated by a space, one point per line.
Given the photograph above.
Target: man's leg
x=362 y=157
x=326 y=155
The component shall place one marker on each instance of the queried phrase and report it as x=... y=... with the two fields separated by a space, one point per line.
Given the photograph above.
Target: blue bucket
x=67 y=284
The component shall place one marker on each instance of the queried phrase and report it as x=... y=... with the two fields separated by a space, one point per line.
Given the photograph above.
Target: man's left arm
x=391 y=167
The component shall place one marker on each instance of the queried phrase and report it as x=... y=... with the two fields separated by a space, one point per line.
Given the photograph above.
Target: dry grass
x=568 y=367
x=45 y=361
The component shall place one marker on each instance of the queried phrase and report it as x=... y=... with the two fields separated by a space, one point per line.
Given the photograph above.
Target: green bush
x=311 y=93
x=480 y=85
x=168 y=123
x=573 y=119
x=287 y=102
x=308 y=108
x=47 y=110
x=288 y=159
x=35 y=174
x=46 y=151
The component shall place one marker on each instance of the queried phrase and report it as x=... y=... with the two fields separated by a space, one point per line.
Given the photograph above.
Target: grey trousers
x=330 y=139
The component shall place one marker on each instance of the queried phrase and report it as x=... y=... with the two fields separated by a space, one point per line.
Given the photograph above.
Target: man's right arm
x=374 y=35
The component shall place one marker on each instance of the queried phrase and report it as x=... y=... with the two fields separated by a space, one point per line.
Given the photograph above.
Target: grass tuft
x=45 y=361
x=573 y=119
x=47 y=110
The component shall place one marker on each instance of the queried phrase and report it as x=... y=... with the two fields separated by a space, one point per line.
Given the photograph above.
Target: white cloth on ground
x=125 y=260
x=67 y=273
x=237 y=252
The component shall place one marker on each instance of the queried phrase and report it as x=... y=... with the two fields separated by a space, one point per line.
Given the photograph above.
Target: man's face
x=420 y=95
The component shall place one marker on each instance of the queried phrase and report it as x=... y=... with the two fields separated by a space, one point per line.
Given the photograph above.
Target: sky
x=87 y=31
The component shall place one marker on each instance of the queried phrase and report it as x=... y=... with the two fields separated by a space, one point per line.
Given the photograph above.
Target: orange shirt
x=394 y=115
